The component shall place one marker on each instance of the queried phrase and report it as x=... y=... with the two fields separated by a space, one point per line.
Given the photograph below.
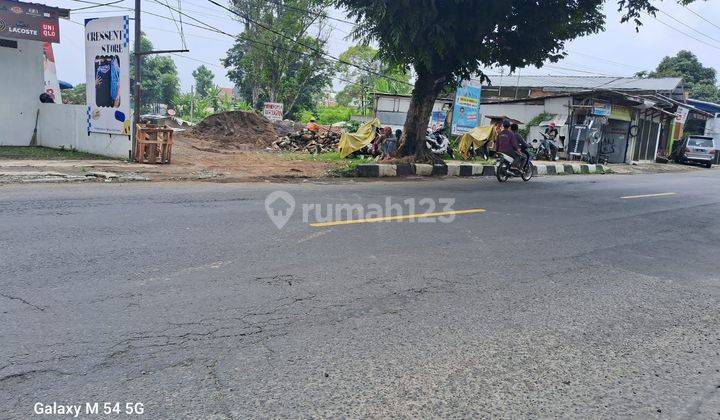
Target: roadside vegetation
x=45 y=153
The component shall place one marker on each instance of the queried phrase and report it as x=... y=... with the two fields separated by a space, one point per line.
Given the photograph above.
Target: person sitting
x=520 y=141
x=507 y=144
x=312 y=126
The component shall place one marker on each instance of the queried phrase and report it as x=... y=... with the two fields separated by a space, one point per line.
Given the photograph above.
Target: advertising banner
x=273 y=111
x=466 y=112
x=681 y=115
x=34 y=22
x=601 y=108
x=107 y=61
x=52 y=86
x=437 y=121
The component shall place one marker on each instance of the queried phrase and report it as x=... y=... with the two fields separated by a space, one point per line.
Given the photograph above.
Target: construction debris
x=326 y=139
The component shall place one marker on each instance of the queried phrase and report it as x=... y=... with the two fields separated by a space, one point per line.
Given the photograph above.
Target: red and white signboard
x=681 y=115
x=273 y=111
x=52 y=86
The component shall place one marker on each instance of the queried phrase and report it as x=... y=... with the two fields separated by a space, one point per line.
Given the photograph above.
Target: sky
x=618 y=51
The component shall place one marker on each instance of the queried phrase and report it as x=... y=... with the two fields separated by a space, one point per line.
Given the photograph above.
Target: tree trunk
x=427 y=88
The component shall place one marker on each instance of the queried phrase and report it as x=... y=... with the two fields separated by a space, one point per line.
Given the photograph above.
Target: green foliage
x=75 y=95
x=701 y=81
x=45 y=153
x=202 y=107
x=536 y=120
x=269 y=67
x=361 y=84
x=203 y=80
x=160 y=83
x=327 y=115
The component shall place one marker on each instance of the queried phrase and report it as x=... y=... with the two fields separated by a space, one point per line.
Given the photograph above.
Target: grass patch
x=347 y=166
x=44 y=153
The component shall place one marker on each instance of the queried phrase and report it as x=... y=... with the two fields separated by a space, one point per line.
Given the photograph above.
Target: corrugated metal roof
x=585 y=82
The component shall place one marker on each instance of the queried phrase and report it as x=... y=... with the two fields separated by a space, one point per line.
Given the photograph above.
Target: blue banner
x=466 y=112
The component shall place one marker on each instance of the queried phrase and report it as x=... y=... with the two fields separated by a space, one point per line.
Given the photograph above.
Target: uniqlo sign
x=35 y=22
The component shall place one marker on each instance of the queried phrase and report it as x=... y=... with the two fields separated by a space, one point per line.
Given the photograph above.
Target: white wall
x=21 y=83
x=525 y=112
x=66 y=126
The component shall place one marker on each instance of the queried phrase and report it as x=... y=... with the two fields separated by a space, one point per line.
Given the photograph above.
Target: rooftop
x=663 y=84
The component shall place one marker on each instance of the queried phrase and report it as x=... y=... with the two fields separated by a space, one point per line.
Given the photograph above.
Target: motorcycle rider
x=507 y=143
x=552 y=133
x=520 y=141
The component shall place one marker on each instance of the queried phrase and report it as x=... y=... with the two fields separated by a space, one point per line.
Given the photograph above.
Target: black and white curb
x=374 y=170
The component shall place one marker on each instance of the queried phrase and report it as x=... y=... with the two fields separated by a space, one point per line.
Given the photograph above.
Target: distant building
x=518 y=87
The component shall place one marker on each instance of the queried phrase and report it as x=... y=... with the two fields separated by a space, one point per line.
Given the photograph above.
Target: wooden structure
x=154 y=144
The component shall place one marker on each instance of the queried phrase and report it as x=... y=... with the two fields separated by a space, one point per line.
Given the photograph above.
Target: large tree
x=203 y=80
x=700 y=81
x=448 y=40
x=279 y=55
x=354 y=67
x=160 y=83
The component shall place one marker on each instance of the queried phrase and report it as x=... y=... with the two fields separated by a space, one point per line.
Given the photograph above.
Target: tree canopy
x=160 y=83
x=203 y=80
x=360 y=83
x=449 y=40
x=269 y=60
x=700 y=81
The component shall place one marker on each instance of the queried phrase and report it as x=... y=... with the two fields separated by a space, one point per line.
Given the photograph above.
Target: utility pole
x=136 y=111
x=138 y=56
x=192 y=103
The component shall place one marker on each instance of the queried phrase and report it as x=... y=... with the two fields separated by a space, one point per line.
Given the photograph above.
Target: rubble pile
x=326 y=139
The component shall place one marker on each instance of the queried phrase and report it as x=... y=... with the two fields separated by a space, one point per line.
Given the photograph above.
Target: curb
x=375 y=170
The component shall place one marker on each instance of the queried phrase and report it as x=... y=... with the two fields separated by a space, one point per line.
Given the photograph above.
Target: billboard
x=34 y=22
x=52 y=86
x=273 y=111
x=107 y=69
x=466 y=112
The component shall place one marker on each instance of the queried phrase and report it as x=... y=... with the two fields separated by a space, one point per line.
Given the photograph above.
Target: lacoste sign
x=35 y=22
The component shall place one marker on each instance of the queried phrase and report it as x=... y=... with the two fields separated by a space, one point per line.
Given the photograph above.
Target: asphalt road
x=561 y=299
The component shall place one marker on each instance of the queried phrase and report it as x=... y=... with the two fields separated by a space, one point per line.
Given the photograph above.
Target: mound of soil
x=236 y=130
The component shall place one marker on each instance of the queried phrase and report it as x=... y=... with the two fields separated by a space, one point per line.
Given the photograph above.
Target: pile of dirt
x=236 y=130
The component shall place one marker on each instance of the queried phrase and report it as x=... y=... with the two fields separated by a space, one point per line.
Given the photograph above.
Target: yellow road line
x=393 y=218
x=648 y=195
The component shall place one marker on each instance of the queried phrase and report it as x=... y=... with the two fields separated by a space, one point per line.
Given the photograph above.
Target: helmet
x=506 y=123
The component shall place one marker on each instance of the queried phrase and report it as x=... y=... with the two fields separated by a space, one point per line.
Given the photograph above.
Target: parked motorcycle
x=504 y=168
x=545 y=149
x=438 y=143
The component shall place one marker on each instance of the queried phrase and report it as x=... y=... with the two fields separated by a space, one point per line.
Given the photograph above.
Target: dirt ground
x=192 y=159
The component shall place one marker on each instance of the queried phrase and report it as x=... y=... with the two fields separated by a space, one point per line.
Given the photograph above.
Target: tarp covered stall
x=475 y=138
x=352 y=142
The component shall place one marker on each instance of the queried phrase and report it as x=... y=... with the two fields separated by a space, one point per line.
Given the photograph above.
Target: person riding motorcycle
x=507 y=143
x=520 y=141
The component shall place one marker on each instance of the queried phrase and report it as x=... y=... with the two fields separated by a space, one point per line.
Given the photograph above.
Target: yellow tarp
x=351 y=142
x=475 y=138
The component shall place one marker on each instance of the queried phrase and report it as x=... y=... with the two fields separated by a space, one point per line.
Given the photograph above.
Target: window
x=700 y=142
x=8 y=43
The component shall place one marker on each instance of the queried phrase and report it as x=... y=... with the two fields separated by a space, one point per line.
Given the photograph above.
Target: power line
x=684 y=33
x=97 y=5
x=701 y=16
x=319 y=51
x=691 y=28
x=603 y=59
